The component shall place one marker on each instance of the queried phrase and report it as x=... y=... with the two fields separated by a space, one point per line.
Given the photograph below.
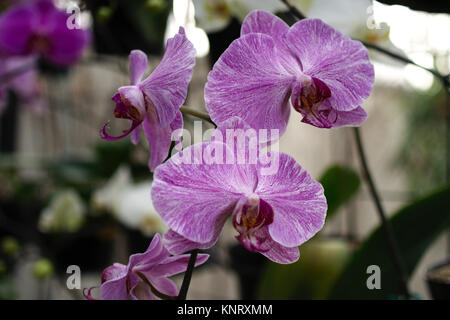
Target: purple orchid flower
x=38 y=27
x=123 y=282
x=24 y=84
x=272 y=213
x=153 y=103
x=324 y=74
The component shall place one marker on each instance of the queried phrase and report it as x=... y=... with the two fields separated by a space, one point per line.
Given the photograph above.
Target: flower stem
x=293 y=10
x=187 y=276
x=197 y=114
x=393 y=246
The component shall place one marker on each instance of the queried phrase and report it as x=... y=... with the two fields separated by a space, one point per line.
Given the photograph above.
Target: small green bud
x=10 y=246
x=104 y=14
x=155 y=5
x=42 y=269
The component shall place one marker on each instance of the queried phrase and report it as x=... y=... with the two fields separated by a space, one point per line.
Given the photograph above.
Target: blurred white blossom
x=183 y=14
x=215 y=15
x=130 y=203
x=353 y=18
x=65 y=213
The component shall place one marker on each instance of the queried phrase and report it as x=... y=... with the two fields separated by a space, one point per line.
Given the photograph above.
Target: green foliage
x=422 y=153
x=415 y=226
x=340 y=184
x=311 y=277
x=43 y=269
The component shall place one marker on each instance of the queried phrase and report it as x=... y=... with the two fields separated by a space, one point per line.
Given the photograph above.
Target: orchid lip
x=313 y=92
x=250 y=219
x=105 y=135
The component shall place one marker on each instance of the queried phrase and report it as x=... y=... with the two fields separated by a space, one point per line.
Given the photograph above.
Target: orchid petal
x=176 y=264
x=159 y=138
x=138 y=66
x=297 y=200
x=211 y=196
x=340 y=62
x=16 y=30
x=249 y=81
x=260 y=21
x=167 y=85
x=177 y=244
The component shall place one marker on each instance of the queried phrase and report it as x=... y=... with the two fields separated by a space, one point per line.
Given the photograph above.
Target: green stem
x=393 y=245
x=197 y=114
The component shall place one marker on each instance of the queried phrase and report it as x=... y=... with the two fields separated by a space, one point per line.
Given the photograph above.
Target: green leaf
x=340 y=184
x=312 y=276
x=415 y=227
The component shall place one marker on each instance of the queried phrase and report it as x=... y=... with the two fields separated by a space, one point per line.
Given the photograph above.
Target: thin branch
x=293 y=10
x=445 y=79
x=187 y=276
x=197 y=114
x=393 y=246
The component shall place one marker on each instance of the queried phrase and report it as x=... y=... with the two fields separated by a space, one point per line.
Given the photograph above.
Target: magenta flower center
x=39 y=44
x=312 y=93
x=125 y=110
x=250 y=220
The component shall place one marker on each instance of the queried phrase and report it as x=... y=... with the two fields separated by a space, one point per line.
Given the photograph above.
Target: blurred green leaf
x=340 y=184
x=415 y=227
x=110 y=155
x=312 y=276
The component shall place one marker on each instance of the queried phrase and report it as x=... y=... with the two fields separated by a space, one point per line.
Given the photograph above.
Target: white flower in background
x=357 y=19
x=215 y=15
x=130 y=203
x=136 y=210
x=183 y=14
x=65 y=213
x=353 y=18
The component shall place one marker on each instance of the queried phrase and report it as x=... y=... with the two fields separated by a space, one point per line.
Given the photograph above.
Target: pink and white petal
x=114 y=272
x=136 y=133
x=177 y=244
x=67 y=45
x=276 y=252
x=167 y=85
x=342 y=63
x=175 y=265
x=141 y=291
x=282 y=254
x=352 y=118
x=134 y=97
x=16 y=30
x=159 y=139
x=259 y=21
x=249 y=81
x=194 y=195
x=155 y=253
x=177 y=124
x=297 y=200
x=138 y=66
x=164 y=285
x=114 y=289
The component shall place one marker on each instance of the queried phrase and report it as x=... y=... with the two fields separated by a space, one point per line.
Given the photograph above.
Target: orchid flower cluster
x=29 y=31
x=322 y=73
